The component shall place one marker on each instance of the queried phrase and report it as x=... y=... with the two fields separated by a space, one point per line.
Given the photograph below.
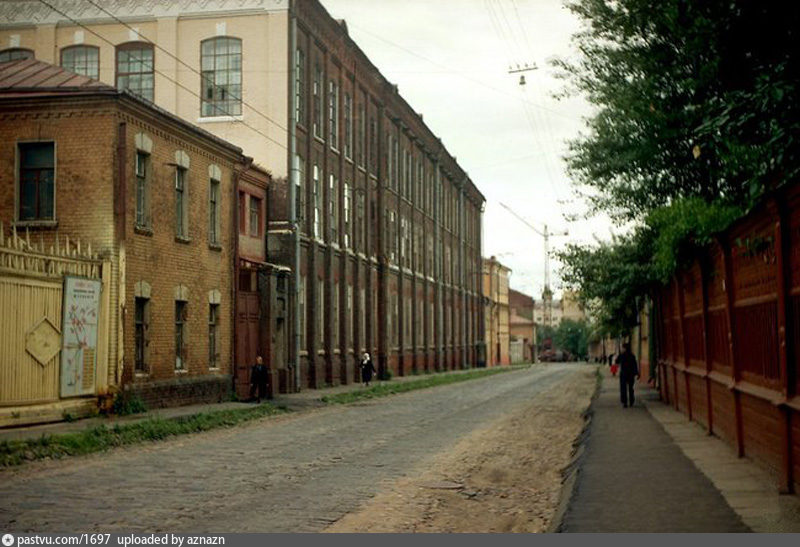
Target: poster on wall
x=81 y=311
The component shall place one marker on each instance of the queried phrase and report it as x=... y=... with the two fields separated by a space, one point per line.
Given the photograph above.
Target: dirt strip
x=505 y=477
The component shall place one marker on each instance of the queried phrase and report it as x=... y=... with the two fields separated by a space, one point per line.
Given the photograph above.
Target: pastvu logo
x=8 y=540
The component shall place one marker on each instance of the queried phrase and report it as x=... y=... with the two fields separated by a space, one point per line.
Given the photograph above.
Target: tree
x=697 y=113
x=573 y=336
x=693 y=99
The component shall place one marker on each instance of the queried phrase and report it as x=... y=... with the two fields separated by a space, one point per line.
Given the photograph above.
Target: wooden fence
x=31 y=295
x=728 y=337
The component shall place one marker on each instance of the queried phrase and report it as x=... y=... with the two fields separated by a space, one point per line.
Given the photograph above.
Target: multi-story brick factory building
x=378 y=224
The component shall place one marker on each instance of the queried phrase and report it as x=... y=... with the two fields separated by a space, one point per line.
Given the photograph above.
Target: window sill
x=215 y=119
x=181 y=371
x=143 y=230
x=215 y=246
x=183 y=239
x=319 y=139
x=43 y=224
x=141 y=375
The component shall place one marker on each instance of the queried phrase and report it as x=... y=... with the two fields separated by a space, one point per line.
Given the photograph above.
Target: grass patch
x=382 y=390
x=101 y=438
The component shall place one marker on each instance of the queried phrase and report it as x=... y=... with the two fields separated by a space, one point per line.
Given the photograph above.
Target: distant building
x=495 y=290
x=522 y=327
x=567 y=307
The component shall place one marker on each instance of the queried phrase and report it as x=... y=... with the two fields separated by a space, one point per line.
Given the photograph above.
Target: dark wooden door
x=247 y=341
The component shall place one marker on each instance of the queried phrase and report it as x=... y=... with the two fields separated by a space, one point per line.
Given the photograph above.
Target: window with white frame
x=348 y=205
x=348 y=126
x=135 y=69
x=214 y=207
x=333 y=208
x=221 y=76
x=321 y=313
x=317 y=203
x=317 y=93
x=84 y=60
x=333 y=114
x=300 y=86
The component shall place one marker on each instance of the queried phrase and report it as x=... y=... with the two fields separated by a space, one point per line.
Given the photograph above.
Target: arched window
x=15 y=53
x=221 y=64
x=83 y=60
x=135 y=68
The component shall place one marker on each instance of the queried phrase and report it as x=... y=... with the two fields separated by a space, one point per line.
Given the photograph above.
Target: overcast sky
x=450 y=59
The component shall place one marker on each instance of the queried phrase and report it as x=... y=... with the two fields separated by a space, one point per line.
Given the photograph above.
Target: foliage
x=544 y=332
x=573 y=336
x=696 y=114
x=127 y=403
x=693 y=99
x=102 y=437
x=382 y=390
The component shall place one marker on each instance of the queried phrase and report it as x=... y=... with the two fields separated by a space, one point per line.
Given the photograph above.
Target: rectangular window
x=180 y=202
x=317 y=99
x=135 y=69
x=300 y=193
x=373 y=146
x=317 y=204
x=333 y=208
x=301 y=310
x=333 y=114
x=213 y=340
x=180 y=335
x=213 y=212
x=335 y=316
x=348 y=126
x=348 y=206
x=242 y=213
x=37 y=181
x=140 y=337
x=221 y=75
x=84 y=60
x=255 y=216
x=361 y=143
x=362 y=317
x=395 y=336
x=349 y=312
x=358 y=239
x=321 y=313
x=300 y=86
x=407 y=322
x=142 y=170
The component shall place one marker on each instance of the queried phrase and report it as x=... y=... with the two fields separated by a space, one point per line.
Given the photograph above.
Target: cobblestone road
x=288 y=474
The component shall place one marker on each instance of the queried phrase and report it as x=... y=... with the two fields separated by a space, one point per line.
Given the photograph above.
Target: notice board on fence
x=81 y=310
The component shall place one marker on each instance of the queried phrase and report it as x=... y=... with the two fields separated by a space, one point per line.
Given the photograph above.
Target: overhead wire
x=160 y=73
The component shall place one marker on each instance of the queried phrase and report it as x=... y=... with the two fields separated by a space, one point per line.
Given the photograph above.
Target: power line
x=457 y=72
x=191 y=68
x=155 y=71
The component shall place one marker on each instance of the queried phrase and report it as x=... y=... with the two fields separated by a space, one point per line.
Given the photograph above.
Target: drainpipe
x=294 y=175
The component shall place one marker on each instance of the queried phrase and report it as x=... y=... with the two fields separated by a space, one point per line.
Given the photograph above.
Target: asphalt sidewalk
x=306 y=399
x=648 y=469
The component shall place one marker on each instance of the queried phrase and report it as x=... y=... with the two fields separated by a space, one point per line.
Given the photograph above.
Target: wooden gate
x=247 y=340
x=31 y=296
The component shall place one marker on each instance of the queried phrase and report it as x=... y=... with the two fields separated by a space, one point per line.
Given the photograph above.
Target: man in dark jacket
x=628 y=374
x=258 y=379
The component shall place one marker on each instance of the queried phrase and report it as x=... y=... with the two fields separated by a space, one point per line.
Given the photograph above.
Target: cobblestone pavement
x=287 y=474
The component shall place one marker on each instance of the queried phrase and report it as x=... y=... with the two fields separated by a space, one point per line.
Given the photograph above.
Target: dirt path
x=503 y=477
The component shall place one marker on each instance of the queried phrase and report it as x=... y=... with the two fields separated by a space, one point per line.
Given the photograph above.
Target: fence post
x=778 y=214
x=684 y=344
x=703 y=263
x=729 y=302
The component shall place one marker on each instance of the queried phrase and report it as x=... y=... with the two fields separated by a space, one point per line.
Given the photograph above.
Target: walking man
x=628 y=374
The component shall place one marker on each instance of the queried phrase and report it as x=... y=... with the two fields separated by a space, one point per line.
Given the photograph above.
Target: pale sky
x=450 y=59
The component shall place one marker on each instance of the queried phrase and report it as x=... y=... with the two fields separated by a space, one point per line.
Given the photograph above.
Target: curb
x=571 y=471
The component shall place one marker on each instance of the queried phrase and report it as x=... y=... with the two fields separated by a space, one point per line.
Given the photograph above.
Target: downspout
x=120 y=203
x=294 y=176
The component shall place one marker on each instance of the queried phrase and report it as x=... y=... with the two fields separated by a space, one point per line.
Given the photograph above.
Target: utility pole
x=547 y=294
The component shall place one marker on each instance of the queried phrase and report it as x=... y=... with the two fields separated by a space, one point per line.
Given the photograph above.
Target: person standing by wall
x=628 y=374
x=367 y=369
x=258 y=380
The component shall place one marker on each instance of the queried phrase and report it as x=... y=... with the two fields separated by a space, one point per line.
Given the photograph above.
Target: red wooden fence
x=728 y=330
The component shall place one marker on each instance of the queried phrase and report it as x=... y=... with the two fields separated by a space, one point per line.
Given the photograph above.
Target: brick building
x=154 y=196
x=376 y=221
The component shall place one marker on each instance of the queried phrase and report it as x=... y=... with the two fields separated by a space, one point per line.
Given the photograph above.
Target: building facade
x=153 y=196
x=378 y=225
x=521 y=325
x=497 y=316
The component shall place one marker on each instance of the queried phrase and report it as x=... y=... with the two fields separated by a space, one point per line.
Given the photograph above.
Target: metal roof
x=30 y=75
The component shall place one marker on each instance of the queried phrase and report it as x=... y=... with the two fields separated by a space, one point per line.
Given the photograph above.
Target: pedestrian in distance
x=367 y=369
x=628 y=374
x=258 y=380
x=612 y=364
